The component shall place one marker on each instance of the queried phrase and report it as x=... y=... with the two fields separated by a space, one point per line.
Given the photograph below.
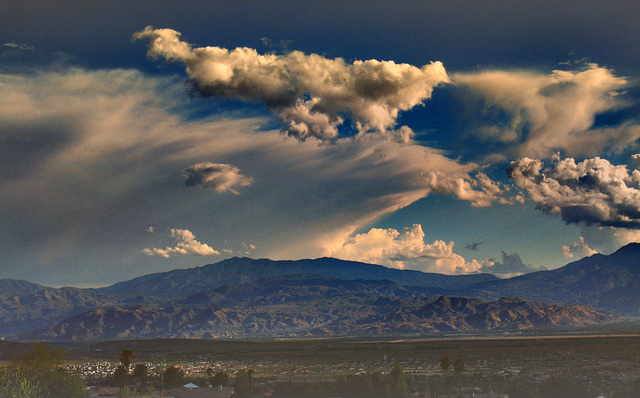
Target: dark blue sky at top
x=462 y=34
x=466 y=36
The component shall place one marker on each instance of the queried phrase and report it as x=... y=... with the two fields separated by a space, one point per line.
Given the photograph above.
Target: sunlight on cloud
x=310 y=93
x=591 y=192
x=404 y=249
x=187 y=244
x=108 y=149
x=538 y=114
x=578 y=249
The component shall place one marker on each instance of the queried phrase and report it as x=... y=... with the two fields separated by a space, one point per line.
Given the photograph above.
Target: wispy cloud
x=312 y=94
x=94 y=150
x=221 y=177
x=535 y=114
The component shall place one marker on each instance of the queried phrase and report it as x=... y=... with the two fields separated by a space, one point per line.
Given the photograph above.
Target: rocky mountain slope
x=307 y=305
x=316 y=297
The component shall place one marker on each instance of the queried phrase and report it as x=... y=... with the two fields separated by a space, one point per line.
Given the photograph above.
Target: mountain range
x=242 y=297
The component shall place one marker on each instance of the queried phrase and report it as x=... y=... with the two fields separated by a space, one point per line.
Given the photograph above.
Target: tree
x=141 y=372
x=126 y=358
x=398 y=379
x=173 y=377
x=243 y=383
x=445 y=363
x=42 y=366
x=209 y=372
x=458 y=367
x=13 y=384
x=120 y=375
x=220 y=379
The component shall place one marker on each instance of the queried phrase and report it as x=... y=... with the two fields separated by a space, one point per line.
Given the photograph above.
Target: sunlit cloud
x=187 y=244
x=404 y=249
x=534 y=114
x=108 y=149
x=591 y=192
x=577 y=250
x=311 y=94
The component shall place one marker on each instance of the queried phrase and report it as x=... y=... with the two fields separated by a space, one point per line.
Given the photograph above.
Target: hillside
x=304 y=305
x=183 y=282
x=610 y=283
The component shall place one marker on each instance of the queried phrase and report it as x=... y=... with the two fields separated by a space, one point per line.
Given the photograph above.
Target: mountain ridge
x=237 y=270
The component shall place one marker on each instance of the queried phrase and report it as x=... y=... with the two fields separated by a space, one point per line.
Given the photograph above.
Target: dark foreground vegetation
x=571 y=366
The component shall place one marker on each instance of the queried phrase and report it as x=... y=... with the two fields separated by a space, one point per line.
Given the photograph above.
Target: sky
x=443 y=136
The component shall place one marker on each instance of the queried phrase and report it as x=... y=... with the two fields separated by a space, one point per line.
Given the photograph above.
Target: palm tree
x=126 y=357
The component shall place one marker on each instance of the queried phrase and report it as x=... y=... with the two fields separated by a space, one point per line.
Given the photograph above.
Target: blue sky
x=454 y=137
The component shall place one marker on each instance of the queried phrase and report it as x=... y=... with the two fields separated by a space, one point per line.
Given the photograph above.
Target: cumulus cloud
x=578 y=249
x=535 y=114
x=404 y=249
x=591 y=192
x=312 y=94
x=511 y=265
x=221 y=177
x=187 y=244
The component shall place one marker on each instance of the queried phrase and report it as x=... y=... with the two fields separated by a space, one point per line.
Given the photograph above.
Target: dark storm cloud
x=473 y=246
x=511 y=264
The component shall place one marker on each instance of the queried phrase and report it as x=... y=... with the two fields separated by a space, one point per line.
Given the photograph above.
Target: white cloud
x=404 y=249
x=578 y=250
x=536 y=114
x=592 y=192
x=187 y=244
x=221 y=177
x=310 y=93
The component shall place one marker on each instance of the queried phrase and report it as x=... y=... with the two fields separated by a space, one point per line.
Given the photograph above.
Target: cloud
x=88 y=151
x=221 y=177
x=404 y=249
x=473 y=246
x=534 y=114
x=578 y=249
x=18 y=46
x=511 y=265
x=311 y=94
x=606 y=240
x=187 y=244
x=591 y=192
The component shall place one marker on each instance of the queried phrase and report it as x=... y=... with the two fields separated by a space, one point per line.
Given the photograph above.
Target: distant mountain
x=308 y=305
x=610 y=283
x=11 y=287
x=25 y=306
x=325 y=296
x=184 y=282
